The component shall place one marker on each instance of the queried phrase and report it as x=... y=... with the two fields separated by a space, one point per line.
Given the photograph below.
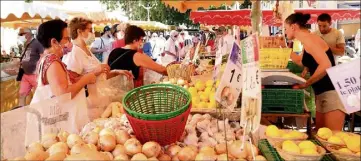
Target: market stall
x=150 y=25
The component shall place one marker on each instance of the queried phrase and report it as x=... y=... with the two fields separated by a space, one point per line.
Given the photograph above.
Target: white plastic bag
x=115 y=88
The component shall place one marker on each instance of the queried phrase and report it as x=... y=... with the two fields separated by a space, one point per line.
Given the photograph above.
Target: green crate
x=268 y=151
x=294 y=68
x=328 y=156
x=282 y=101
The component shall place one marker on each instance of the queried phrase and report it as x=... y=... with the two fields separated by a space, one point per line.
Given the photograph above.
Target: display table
x=306 y=115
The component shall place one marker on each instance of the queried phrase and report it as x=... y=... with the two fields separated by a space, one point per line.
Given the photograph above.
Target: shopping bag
x=114 y=88
x=13 y=125
x=54 y=115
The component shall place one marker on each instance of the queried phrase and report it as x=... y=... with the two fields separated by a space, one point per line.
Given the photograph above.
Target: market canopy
x=27 y=14
x=183 y=5
x=149 y=25
x=96 y=17
x=242 y=17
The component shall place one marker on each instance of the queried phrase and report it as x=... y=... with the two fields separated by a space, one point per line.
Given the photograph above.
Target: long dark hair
x=298 y=18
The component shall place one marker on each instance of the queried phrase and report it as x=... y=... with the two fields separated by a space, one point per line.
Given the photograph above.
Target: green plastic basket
x=157 y=102
x=268 y=151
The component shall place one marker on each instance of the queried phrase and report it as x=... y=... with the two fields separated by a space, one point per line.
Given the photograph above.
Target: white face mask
x=22 y=39
x=89 y=39
x=120 y=35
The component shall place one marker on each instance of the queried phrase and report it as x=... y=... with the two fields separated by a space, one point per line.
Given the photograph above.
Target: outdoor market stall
x=150 y=25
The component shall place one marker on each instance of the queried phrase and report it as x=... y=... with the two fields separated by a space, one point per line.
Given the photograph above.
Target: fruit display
x=339 y=138
x=203 y=94
x=275 y=135
x=179 y=81
x=300 y=150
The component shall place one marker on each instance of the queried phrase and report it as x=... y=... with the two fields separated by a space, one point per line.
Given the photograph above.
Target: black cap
x=106 y=28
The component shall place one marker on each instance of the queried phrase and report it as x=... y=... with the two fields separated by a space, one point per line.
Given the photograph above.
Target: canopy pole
x=256 y=17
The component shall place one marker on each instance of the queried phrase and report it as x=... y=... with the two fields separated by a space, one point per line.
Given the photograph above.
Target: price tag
x=251 y=82
x=272 y=42
x=231 y=83
x=346 y=80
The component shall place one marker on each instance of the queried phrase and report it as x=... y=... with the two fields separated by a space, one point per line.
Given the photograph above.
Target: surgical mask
x=22 y=39
x=67 y=49
x=120 y=35
x=90 y=39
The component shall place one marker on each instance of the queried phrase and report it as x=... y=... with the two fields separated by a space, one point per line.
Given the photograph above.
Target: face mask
x=90 y=39
x=67 y=49
x=22 y=39
x=120 y=35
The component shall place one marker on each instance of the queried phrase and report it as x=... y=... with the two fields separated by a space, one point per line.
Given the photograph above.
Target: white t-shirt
x=79 y=62
x=107 y=43
x=170 y=47
x=225 y=44
x=332 y=38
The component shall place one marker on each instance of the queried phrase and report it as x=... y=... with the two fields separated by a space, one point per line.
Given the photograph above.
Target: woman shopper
x=81 y=61
x=316 y=58
x=130 y=57
x=120 y=29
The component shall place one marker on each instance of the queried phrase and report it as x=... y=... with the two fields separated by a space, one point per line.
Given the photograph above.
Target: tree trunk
x=256 y=17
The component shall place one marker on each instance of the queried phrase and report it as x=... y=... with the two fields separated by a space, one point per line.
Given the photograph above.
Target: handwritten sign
x=346 y=80
x=251 y=82
x=272 y=42
x=274 y=58
x=230 y=86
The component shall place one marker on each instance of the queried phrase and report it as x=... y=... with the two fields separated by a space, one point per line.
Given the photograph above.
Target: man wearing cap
x=29 y=59
x=102 y=45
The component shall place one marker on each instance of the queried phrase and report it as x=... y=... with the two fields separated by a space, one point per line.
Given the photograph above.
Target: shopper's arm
x=323 y=63
x=338 y=50
x=146 y=62
x=59 y=84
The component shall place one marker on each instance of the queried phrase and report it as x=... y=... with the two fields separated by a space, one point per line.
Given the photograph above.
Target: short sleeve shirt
x=32 y=56
x=79 y=62
x=332 y=38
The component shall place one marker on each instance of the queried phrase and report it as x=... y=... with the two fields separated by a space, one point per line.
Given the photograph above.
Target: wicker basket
x=341 y=156
x=326 y=143
x=292 y=156
x=274 y=140
x=176 y=70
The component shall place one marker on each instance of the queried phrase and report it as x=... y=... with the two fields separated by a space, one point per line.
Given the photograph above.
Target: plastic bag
x=151 y=77
x=114 y=88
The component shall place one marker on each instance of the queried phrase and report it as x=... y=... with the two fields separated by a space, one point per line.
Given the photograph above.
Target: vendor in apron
x=130 y=58
x=81 y=61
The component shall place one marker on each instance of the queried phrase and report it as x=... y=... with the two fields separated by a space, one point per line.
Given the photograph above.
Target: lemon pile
x=273 y=131
x=304 y=147
x=203 y=94
x=351 y=141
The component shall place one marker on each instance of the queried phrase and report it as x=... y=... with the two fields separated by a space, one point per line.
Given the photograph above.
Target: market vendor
x=171 y=49
x=130 y=58
x=81 y=61
x=54 y=79
x=317 y=57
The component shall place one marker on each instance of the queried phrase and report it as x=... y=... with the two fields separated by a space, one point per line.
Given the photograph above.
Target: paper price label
x=346 y=80
x=251 y=79
x=230 y=86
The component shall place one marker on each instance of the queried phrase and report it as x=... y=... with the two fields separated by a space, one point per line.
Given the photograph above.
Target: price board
x=230 y=86
x=251 y=83
x=346 y=80
x=272 y=42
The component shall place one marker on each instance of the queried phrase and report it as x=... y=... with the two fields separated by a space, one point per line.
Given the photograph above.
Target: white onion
x=236 y=151
x=74 y=139
x=175 y=158
x=107 y=143
x=132 y=146
x=153 y=159
x=173 y=150
x=79 y=148
x=122 y=157
x=151 y=149
x=48 y=140
x=57 y=156
x=107 y=131
x=118 y=150
x=91 y=138
x=91 y=147
x=107 y=156
x=122 y=136
x=194 y=148
x=97 y=129
x=36 y=155
x=206 y=157
x=164 y=157
x=222 y=157
x=139 y=157
x=207 y=149
x=186 y=154
x=58 y=147
x=221 y=148
x=63 y=136
x=35 y=147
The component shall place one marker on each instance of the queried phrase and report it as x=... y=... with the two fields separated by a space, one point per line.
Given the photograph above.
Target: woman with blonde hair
x=81 y=61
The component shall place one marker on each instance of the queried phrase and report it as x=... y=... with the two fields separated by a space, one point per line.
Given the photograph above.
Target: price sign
x=251 y=82
x=272 y=42
x=231 y=83
x=346 y=80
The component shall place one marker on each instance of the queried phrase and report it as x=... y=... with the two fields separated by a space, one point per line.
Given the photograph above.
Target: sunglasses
x=21 y=34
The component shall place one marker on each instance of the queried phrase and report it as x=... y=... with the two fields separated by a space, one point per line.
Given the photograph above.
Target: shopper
x=171 y=50
x=317 y=57
x=102 y=45
x=129 y=57
x=29 y=59
x=333 y=37
x=81 y=61
x=119 y=43
x=54 y=79
x=147 y=48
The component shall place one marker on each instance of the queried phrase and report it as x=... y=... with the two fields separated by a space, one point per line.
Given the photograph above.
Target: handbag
x=99 y=56
x=21 y=70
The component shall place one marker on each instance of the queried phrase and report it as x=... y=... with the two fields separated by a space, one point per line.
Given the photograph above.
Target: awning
x=150 y=25
x=15 y=13
x=242 y=17
x=183 y=5
x=96 y=17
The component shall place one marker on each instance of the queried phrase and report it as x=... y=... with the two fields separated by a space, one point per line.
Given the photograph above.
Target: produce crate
x=328 y=156
x=282 y=101
x=294 y=68
x=268 y=151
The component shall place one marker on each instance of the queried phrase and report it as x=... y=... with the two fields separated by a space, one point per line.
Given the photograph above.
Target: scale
x=280 y=77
